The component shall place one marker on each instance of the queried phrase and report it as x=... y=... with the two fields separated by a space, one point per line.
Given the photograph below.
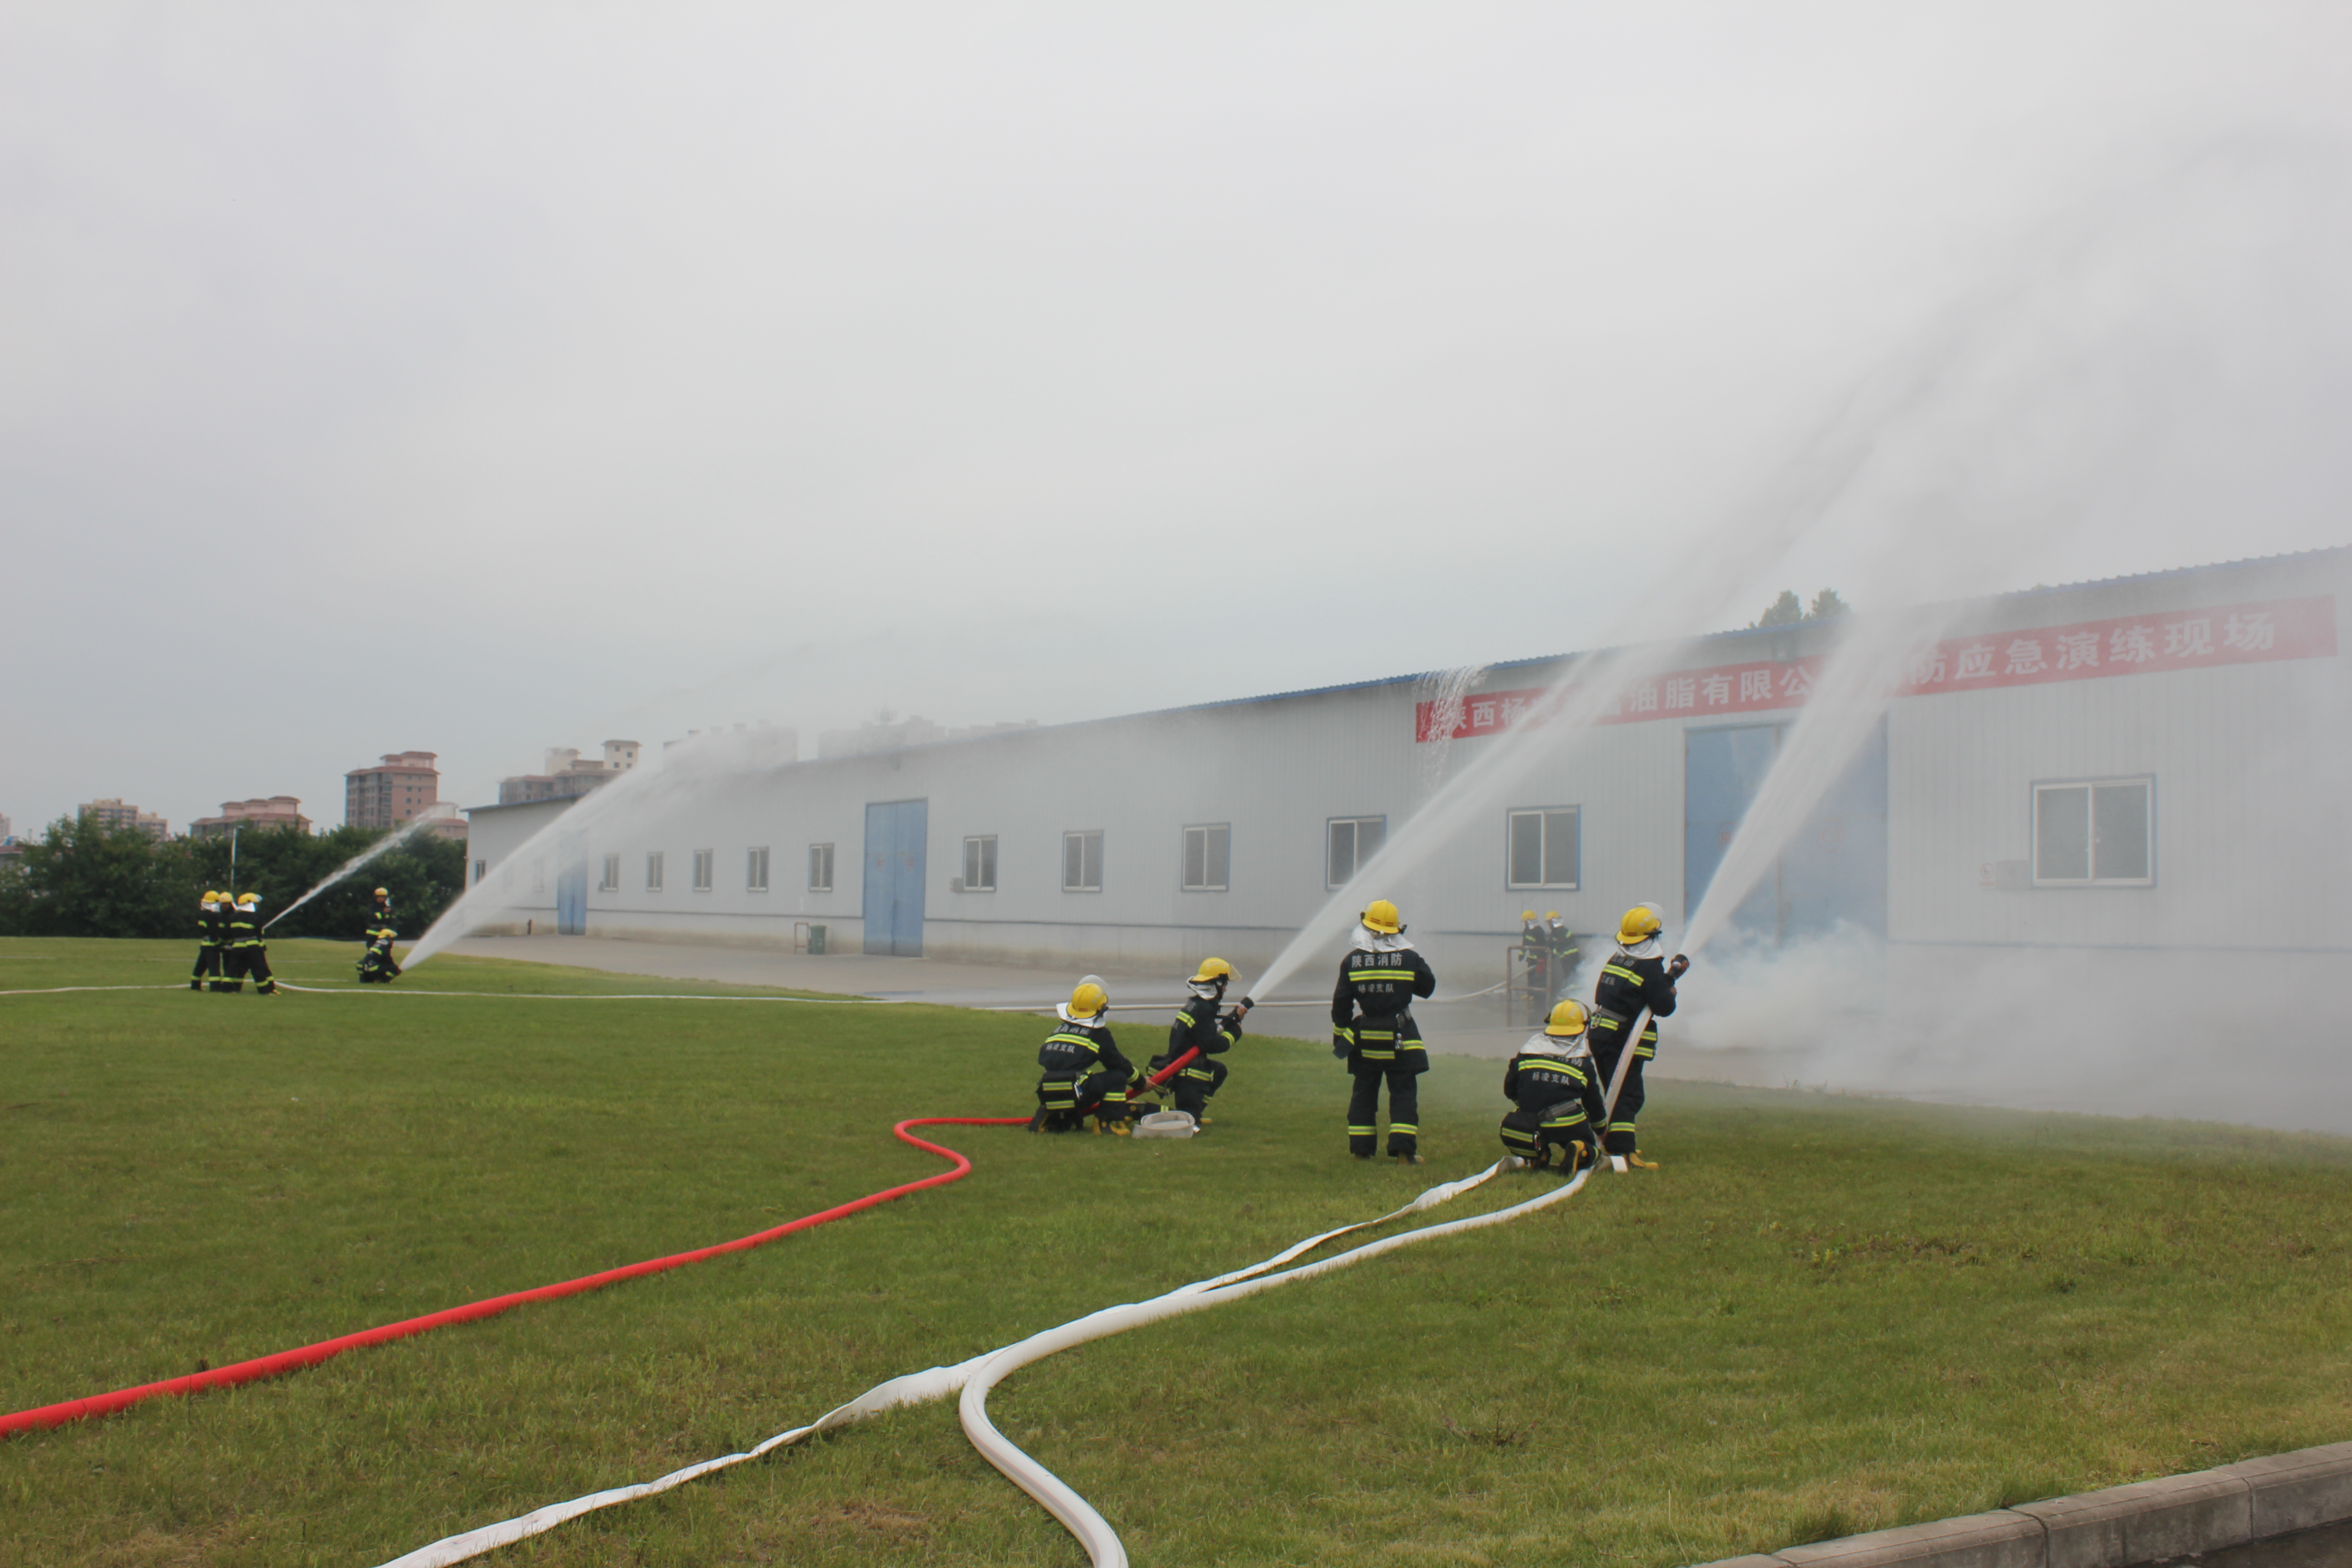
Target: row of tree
x=82 y=878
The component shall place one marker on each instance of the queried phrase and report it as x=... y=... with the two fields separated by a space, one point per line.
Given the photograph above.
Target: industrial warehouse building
x=2150 y=763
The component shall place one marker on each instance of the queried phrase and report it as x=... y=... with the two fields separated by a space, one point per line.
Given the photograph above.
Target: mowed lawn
x=1822 y=1315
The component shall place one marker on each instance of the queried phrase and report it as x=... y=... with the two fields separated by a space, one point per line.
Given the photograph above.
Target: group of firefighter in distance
x=231 y=949
x=1558 y=1082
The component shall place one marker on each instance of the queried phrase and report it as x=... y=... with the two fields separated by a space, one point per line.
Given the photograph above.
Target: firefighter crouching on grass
x=377 y=964
x=1637 y=975
x=1084 y=1072
x=1198 y=1027
x=1373 y=1032
x=1555 y=1102
x=248 y=955
x=209 y=942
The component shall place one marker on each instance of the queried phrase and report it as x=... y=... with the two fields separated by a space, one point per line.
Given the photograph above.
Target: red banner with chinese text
x=2086 y=650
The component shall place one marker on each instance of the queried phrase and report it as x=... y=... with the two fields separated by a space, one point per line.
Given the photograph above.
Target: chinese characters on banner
x=2088 y=650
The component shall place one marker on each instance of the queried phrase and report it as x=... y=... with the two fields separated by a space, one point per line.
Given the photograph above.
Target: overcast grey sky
x=481 y=378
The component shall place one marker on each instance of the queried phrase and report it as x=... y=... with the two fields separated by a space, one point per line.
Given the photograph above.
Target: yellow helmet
x=1089 y=1001
x=1639 y=924
x=1567 y=1020
x=210 y=896
x=1552 y=914
x=248 y=898
x=1381 y=915
x=1211 y=969
x=381 y=894
x=1527 y=914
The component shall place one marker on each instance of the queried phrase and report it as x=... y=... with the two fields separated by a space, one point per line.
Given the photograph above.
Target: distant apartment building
x=8 y=829
x=254 y=815
x=568 y=774
x=396 y=790
x=111 y=812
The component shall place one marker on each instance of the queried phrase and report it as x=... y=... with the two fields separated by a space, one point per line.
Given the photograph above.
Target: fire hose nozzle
x=1244 y=1006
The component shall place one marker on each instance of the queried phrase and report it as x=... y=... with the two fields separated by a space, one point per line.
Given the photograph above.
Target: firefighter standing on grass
x=1555 y=1102
x=209 y=942
x=1373 y=1032
x=248 y=955
x=1638 y=975
x=1198 y=1027
x=1085 y=1073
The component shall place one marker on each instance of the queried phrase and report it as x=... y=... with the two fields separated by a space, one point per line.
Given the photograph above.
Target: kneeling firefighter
x=377 y=964
x=1638 y=975
x=248 y=955
x=1555 y=1104
x=1084 y=1075
x=1199 y=1028
x=1373 y=1032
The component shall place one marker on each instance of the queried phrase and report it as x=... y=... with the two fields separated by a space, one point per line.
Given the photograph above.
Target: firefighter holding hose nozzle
x=1373 y=1032
x=248 y=955
x=1555 y=1097
x=1085 y=1073
x=1638 y=975
x=377 y=964
x=1201 y=1034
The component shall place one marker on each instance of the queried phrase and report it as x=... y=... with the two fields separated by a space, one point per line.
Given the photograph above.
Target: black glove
x=1234 y=1021
x=1675 y=966
x=1341 y=1045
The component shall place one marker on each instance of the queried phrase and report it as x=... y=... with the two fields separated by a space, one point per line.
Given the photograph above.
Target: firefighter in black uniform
x=377 y=965
x=1564 y=954
x=1534 y=951
x=1373 y=1032
x=1555 y=1102
x=1637 y=975
x=209 y=942
x=1085 y=1073
x=1198 y=1027
x=246 y=954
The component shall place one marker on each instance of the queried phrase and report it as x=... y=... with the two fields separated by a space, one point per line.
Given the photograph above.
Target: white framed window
x=1540 y=846
x=705 y=862
x=820 y=868
x=755 y=869
x=481 y=869
x=1082 y=861
x=980 y=864
x=2094 y=832
x=653 y=872
x=1208 y=857
x=610 y=882
x=1349 y=841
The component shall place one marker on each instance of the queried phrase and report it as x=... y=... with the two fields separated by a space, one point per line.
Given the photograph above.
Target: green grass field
x=1822 y=1315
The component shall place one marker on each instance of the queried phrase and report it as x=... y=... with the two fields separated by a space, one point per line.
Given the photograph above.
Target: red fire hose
x=311 y=1355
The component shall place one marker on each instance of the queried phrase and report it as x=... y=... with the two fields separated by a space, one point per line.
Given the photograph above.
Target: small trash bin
x=816 y=939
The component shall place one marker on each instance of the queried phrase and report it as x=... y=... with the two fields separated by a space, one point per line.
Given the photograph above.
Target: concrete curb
x=2121 y=1527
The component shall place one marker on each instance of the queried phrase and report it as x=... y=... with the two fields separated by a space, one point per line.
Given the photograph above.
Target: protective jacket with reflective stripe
x=1074 y=1054
x=1198 y=1027
x=242 y=928
x=1371 y=1006
x=1558 y=1093
x=1627 y=985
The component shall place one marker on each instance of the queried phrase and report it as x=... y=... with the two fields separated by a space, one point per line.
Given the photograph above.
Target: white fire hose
x=981 y=1372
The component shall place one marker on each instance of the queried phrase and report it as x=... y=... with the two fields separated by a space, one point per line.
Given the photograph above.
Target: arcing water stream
x=383 y=845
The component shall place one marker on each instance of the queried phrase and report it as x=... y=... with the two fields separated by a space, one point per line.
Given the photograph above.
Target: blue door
x=1832 y=869
x=572 y=889
x=895 y=835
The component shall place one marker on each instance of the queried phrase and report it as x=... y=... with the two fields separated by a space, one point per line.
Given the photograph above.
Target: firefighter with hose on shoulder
x=1372 y=1030
x=209 y=927
x=377 y=964
x=1199 y=1027
x=248 y=955
x=1084 y=1072
x=1638 y=975
x=1554 y=1094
